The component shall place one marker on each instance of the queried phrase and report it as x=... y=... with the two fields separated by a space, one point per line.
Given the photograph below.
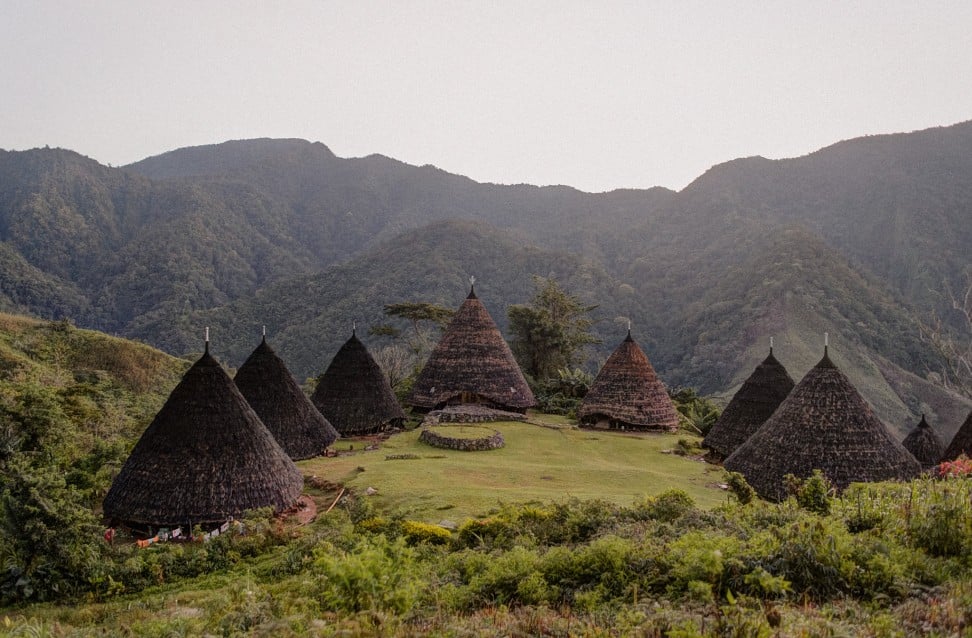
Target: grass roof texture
x=961 y=442
x=755 y=402
x=628 y=393
x=924 y=444
x=205 y=457
x=472 y=358
x=354 y=395
x=823 y=424
x=273 y=393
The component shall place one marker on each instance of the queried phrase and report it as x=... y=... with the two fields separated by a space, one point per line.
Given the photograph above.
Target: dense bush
x=377 y=575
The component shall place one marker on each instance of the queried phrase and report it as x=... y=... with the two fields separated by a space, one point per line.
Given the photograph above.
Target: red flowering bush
x=960 y=467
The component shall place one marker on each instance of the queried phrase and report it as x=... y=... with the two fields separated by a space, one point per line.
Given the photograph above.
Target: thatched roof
x=204 y=458
x=961 y=442
x=755 y=402
x=354 y=394
x=274 y=395
x=924 y=444
x=627 y=393
x=472 y=363
x=824 y=424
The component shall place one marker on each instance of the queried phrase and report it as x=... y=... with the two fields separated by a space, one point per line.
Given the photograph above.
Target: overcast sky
x=597 y=95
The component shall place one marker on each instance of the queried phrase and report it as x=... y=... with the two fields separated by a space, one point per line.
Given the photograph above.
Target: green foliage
x=49 y=539
x=695 y=414
x=419 y=314
x=667 y=507
x=377 y=575
x=489 y=532
x=940 y=522
x=740 y=488
x=417 y=532
x=812 y=556
x=563 y=393
x=549 y=333
x=812 y=493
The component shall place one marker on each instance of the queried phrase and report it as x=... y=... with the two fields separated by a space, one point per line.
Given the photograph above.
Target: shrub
x=940 y=517
x=960 y=467
x=701 y=557
x=378 y=575
x=499 y=582
x=416 y=532
x=811 y=556
x=740 y=488
x=605 y=565
x=813 y=493
x=489 y=532
x=666 y=507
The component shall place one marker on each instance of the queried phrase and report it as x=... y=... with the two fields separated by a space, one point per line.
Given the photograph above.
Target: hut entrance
x=468 y=398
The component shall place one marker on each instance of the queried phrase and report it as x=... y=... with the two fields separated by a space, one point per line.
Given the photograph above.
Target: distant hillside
x=898 y=206
x=79 y=395
x=858 y=239
x=309 y=317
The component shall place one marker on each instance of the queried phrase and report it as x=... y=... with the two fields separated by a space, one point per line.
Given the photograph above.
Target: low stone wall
x=439 y=440
x=470 y=413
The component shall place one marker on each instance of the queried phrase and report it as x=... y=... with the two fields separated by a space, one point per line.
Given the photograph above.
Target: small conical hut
x=924 y=444
x=472 y=363
x=961 y=442
x=749 y=408
x=823 y=424
x=354 y=395
x=628 y=394
x=205 y=457
x=273 y=393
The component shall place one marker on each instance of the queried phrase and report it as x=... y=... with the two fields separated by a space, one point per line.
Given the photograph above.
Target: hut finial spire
x=472 y=287
x=207 y=339
x=826 y=342
x=264 y=334
x=354 y=327
x=771 y=345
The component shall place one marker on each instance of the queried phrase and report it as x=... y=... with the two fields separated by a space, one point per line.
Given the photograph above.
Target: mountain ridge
x=150 y=249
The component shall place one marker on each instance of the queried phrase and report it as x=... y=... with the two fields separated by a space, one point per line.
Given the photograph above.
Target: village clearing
x=545 y=460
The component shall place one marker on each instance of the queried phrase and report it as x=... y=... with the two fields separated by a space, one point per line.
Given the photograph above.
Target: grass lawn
x=538 y=463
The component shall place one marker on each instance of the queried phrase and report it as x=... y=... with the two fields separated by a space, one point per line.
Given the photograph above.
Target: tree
x=402 y=362
x=418 y=314
x=549 y=333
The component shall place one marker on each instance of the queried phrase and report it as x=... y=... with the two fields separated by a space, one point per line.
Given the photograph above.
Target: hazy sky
x=596 y=95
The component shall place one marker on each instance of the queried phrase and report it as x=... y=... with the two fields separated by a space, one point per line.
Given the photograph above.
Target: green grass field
x=548 y=462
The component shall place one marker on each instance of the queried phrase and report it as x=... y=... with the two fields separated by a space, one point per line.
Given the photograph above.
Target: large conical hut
x=472 y=363
x=354 y=395
x=924 y=444
x=961 y=442
x=823 y=424
x=273 y=393
x=755 y=402
x=628 y=394
x=206 y=457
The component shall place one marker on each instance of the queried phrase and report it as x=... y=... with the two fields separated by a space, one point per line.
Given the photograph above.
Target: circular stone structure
x=450 y=438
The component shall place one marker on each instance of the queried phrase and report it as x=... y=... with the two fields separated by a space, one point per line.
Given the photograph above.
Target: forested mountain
x=858 y=239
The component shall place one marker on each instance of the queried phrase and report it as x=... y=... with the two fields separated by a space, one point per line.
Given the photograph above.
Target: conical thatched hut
x=924 y=444
x=755 y=402
x=354 y=395
x=961 y=442
x=274 y=395
x=205 y=457
x=824 y=424
x=472 y=363
x=628 y=394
